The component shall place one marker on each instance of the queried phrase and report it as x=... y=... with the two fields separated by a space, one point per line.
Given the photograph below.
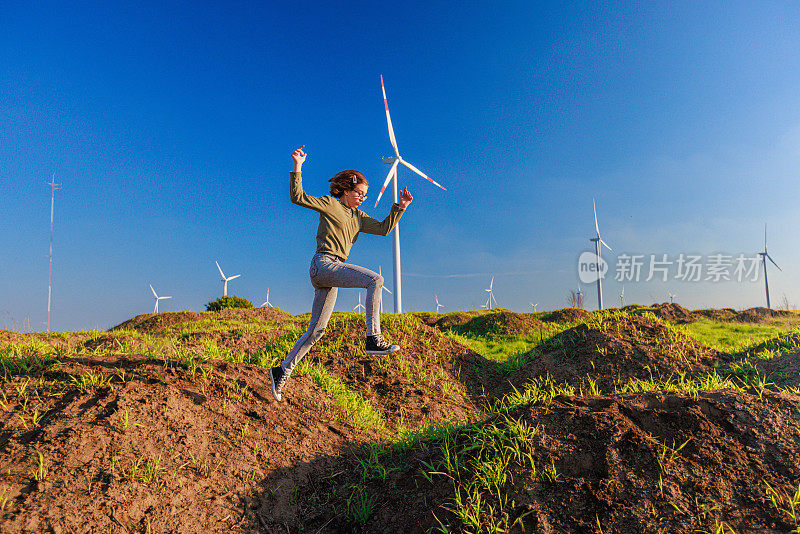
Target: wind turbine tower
x=437 y=303
x=155 y=310
x=53 y=185
x=383 y=288
x=393 y=161
x=764 y=256
x=359 y=306
x=225 y=280
x=597 y=241
x=267 y=302
x=491 y=298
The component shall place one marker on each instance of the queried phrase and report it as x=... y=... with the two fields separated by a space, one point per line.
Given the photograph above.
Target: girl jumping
x=340 y=222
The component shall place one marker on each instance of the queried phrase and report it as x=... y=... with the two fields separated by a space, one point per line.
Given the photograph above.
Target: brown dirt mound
x=109 y=342
x=674 y=313
x=566 y=315
x=504 y=323
x=419 y=383
x=451 y=320
x=625 y=464
x=148 y=322
x=777 y=361
x=151 y=443
x=725 y=314
x=264 y=314
x=612 y=351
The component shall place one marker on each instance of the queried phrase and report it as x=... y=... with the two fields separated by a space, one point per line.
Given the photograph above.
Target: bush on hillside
x=223 y=303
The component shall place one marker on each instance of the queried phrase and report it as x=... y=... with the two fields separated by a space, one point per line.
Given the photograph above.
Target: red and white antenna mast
x=53 y=185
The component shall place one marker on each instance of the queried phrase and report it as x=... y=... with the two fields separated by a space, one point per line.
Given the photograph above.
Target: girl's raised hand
x=299 y=157
x=405 y=198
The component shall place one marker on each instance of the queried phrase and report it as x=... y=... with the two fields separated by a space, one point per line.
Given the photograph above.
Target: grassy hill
x=652 y=419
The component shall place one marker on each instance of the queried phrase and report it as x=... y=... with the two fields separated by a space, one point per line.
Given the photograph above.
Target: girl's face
x=354 y=198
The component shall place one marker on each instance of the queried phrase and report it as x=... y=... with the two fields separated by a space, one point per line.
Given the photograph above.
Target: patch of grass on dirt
x=359 y=412
x=730 y=337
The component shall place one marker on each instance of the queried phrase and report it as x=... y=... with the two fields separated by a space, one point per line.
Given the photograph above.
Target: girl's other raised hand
x=405 y=198
x=299 y=157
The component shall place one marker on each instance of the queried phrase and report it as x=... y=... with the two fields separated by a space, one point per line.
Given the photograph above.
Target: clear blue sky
x=170 y=126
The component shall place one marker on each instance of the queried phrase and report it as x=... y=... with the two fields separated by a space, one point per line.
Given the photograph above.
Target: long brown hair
x=345 y=181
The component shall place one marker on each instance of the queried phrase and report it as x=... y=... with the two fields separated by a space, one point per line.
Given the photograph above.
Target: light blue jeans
x=329 y=273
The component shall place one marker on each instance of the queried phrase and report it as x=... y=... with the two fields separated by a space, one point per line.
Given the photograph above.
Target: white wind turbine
x=491 y=298
x=393 y=161
x=671 y=297
x=437 y=303
x=359 y=305
x=225 y=280
x=597 y=241
x=267 y=302
x=764 y=255
x=622 y=298
x=155 y=310
x=384 y=288
x=534 y=306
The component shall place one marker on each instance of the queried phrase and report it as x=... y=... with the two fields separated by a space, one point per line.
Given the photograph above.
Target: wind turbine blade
x=387 y=290
x=773 y=262
x=165 y=297
x=392 y=172
x=596 y=227
x=389 y=120
x=220 y=269
x=605 y=244
x=416 y=170
x=765 y=237
x=235 y=276
x=153 y=290
x=491 y=283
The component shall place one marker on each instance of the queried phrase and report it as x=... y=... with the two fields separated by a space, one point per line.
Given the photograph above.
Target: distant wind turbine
x=359 y=305
x=534 y=306
x=437 y=303
x=53 y=186
x=764 y=256
x=384 y=287
x=155 y=310
x=622 y=298
x=491 y=298
x=597 y=241
x=392 y=176
x=671 y=297
x=267 y=302
x=225 y=280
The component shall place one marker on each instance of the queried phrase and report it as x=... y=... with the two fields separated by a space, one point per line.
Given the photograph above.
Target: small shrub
x=223 y=303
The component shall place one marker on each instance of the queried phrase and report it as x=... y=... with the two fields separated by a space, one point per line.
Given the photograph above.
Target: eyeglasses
x=359 y=194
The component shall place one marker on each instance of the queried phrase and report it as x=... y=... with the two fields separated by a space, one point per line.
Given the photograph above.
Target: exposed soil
x=612 y=352
x=504 y=323
x=212 y=443
x=451 y=320
x=116 y=436
x=417 y=384
x=635 y=463
x=674 y=313
x=566 y=315
x=724 y=314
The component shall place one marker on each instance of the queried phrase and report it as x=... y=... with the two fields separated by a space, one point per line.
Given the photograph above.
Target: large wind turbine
x=53 y=186
x=393 y=161
x=359 y=306
x=437 y=303
x=225 y=280
x=764 y=255
x=155 y=310
x=597 y=241
x=266 y=303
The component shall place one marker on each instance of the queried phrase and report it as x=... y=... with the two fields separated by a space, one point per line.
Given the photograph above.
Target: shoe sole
x=382 y=352
x=274 y=393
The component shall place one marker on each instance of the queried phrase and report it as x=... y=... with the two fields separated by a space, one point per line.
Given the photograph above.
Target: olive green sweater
x=339 y=225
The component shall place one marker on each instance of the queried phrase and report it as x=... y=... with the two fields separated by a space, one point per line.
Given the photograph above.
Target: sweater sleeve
x=368 y=225
x=298 y=196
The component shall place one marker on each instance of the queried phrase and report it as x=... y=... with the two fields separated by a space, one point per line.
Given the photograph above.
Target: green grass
x=359 y=412
x=731 y=338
